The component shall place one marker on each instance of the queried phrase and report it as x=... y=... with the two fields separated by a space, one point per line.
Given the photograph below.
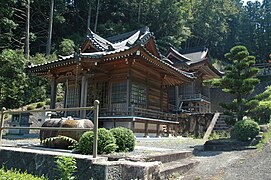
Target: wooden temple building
x=137 y=87
x=192 y=96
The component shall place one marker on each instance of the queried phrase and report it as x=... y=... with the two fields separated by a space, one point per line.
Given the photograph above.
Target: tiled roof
x=113 y=45
x=121 y=41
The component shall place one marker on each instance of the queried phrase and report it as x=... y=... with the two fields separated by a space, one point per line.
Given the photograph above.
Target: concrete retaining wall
x=41 y=162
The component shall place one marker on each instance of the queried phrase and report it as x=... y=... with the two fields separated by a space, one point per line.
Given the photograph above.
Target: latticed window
x=139 y=94
x=98 y=91
x=119 y=92
x=73 y=96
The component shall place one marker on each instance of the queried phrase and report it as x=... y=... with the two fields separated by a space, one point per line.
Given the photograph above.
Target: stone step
x=180 y=167
x=169 y=157
x=221 y=124
x=221 y=129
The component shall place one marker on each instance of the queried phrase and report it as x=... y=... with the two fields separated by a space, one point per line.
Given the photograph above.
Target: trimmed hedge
x=125 y=139
x=246 y=130
x=106 y=142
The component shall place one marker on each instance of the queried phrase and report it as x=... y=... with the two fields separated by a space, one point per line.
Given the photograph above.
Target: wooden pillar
x=66 y=95
x=129 y=87
x=83 y=96
x=114 y=123
x=146 y=129
x=132 y=127
x=158 y=130
x=161 y=96
x=177 y=103
x=53 y=93
x=168 y=126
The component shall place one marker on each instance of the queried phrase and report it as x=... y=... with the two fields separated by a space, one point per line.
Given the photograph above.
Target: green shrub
x=106 y=142
x=59 y=98
x=246 y=129
x=62 y=142
x=47 y=102
x=66 y=166
x=40 y=104
x=31 y=107
x=13 y=174
x=125 y=139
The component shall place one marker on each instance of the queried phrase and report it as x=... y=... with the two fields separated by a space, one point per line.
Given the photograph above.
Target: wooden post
x=95 y=129
x=168 y=126
x=83 y=96
x=157 y=130
x=53 y=93
x=129 y=88
x=66 y=95
x=132 y=125
x=177 y=103
x=146 y=129
x=2 y=123
x=161 y=96
x=114 y=123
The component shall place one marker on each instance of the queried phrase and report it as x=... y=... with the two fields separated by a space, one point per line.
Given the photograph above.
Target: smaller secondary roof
x=191 y=60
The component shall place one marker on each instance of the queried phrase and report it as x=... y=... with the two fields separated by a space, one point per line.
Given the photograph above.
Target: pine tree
x=239 y=80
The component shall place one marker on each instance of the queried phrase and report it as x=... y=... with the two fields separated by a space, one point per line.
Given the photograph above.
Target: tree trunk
x=240 y=107
x=97 y=15
x=89 y=16
x=26 y=51
x=49 y=39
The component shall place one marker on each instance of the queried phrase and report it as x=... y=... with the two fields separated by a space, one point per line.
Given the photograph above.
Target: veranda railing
x=94 y=108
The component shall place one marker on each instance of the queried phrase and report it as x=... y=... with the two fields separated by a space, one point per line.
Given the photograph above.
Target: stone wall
x=195 y=124
x=217 y=97
x=41 y=162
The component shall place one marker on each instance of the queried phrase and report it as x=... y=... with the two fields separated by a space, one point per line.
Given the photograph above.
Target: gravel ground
x=213 y=164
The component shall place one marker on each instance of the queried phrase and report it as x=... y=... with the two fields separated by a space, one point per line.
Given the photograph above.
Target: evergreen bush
x=106 y=142
x=59 y=98
x=47 y=102
x=125 y=139
x=246 y=129
x=40 y=104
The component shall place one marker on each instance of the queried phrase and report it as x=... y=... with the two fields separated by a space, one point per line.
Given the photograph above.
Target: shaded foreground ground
x=214 y=165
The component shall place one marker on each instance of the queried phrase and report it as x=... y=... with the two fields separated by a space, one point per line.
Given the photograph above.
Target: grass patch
x=265 y=139
x=219 y=135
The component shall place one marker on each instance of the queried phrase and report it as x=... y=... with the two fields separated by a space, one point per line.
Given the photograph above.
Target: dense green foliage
x=216 y=24
x=125 y=139
x=66 y=166
x=106 y=142
x=13 y=174
x=239 y=80
x=246 y=129
x=16 y=87
x=187 y=23
x=262 y=112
